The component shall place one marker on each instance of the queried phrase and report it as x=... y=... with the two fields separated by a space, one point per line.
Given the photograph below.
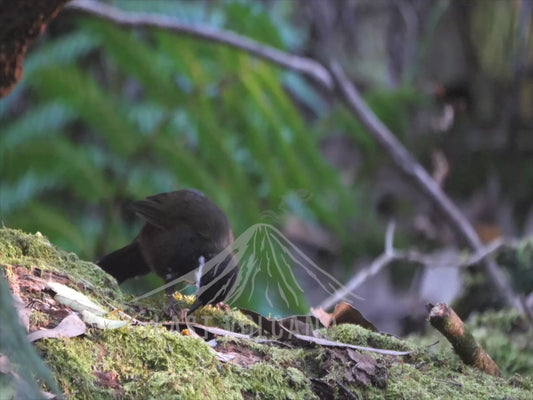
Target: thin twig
x=373 y=269
x=391 y=255
x=484 y=253
x=432 y=261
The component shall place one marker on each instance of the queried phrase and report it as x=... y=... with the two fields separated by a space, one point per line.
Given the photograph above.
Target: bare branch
x=306 y=66
x=391 y=255
x=373 y=269
x=446 y=321
x=416 y=173
x=403 y=159
x=456 y=261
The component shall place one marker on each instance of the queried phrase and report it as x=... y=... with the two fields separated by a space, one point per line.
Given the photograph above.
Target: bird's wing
x=152 y=210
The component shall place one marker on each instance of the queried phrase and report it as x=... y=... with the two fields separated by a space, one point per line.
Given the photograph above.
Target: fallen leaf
x=102 y=323
x=323 y=316
x=74 y=299
x=344 y=314
x=70 y=326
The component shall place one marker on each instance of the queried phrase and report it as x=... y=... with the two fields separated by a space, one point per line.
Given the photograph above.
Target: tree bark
x=21 y=21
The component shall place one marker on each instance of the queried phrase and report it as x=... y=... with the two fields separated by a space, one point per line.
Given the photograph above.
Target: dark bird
x=182 y=230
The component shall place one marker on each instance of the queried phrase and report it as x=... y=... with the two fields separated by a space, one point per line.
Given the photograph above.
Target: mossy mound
x=140 y=361
x=36 y=252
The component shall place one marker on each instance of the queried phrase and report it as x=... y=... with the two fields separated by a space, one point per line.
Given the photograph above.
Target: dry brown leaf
x=344 y=314
x=70 y=326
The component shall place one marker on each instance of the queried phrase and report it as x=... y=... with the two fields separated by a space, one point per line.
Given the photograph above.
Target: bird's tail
x=125 y=263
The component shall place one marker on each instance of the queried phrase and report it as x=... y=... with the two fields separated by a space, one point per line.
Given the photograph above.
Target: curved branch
x=423 y=180
x=306 y=66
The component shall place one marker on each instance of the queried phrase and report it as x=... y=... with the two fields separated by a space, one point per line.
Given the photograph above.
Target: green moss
x=354 y=334
x=267 y=381
x=412 y=381
x=71 y=362
x=146 y=361
x=38 y=318
x=506 y=336
x=141 y=362
x=280 y=357
x=150 y=360
x=24 y=248
x=35 y=251
x=232 y=320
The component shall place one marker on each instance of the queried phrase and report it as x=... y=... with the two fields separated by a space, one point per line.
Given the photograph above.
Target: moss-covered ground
x=151 y=361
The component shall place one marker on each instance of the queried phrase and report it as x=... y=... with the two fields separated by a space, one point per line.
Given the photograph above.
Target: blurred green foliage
x=111 y=115
x=21 y=365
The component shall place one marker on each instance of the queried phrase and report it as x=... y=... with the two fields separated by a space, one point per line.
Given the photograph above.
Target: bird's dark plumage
x=180 y=227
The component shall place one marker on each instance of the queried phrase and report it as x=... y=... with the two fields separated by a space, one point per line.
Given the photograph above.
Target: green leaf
x=60 y=163
x=62 y=51
x=43 y=121
x=131 y=52
x=96 y=107
x=16 y=195
x=54 y=223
